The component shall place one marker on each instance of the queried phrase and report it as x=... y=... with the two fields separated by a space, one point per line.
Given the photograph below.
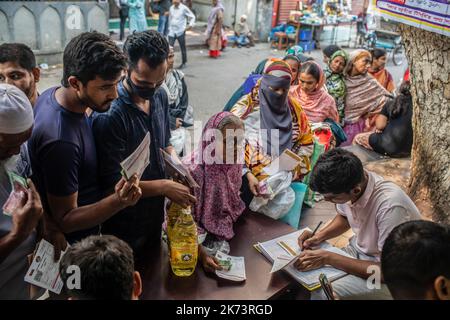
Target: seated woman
x=294 y=63
x=312 y=96
x=328 y=51
x=253 y=78
x=365 y=96
x=334 y=73
x=215 y=167
x=268 y=107
x=179 y=109
x=394 y=133
x=378 y=69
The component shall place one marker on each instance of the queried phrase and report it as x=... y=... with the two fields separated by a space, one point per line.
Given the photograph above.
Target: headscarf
x=336 y=83
x=384 y=78
x=318 y=104
x=212 y=17
x=294 y=82
x=174 y=86
x=16 y=112
x=295 y=132
x=219 y=204
x=274 y=108
x=364 y=94
x=298 y=52
x=294 y=50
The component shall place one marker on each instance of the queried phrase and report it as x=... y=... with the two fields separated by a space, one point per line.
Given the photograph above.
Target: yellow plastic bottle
x=172 y=215
x=183 y=244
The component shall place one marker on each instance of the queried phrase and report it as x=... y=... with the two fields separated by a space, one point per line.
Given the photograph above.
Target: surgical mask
x=143 y=92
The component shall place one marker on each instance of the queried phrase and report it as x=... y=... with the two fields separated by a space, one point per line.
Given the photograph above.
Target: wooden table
x=160 y=283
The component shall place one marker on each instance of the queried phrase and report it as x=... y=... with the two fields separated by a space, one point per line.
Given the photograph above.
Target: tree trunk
x=429 y=62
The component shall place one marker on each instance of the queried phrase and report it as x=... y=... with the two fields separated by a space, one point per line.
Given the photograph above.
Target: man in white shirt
x=179 y=17
x=365 y=203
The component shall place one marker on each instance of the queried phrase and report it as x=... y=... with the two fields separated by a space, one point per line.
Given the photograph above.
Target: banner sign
x=430 y=15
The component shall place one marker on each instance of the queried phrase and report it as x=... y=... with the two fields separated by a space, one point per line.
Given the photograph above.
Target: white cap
x=16 y=112
x=244 y=17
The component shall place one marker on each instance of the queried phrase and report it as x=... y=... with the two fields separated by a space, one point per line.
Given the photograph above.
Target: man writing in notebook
x=368 y=205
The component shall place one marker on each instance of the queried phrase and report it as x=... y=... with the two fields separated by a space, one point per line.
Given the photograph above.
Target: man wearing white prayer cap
x=17 y=232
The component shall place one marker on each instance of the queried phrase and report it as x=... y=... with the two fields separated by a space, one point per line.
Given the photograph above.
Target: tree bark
x=429 y=62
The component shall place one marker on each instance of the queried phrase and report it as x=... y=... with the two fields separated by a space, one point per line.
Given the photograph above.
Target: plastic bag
x=282 y=199
x=310 y=195
x=178 y=139
x=293 y=216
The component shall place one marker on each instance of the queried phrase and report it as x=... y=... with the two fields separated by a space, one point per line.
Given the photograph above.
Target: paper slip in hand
x=44 y=271
x=138 y=160
x=177 y=171
x=233 y=267
x=287 y=161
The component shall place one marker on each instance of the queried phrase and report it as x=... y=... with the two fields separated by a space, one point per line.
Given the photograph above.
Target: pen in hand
x=312 y=235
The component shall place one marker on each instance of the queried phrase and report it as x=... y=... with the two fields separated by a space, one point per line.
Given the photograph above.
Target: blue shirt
x=118 y=133
x=63 y=155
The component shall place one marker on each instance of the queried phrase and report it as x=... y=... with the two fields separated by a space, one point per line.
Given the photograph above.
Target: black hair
x=291 y=57
x=401 y=103
x=312 y=69
x=330 y=50
x=414 y=254
x=106 y=268
x=336 y=171
x=149 y=45
x=377 y=53
x=18 y=53
x=92 y=54
x=303 y=58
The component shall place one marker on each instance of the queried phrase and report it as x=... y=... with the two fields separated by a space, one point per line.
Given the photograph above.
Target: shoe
x=182 y=66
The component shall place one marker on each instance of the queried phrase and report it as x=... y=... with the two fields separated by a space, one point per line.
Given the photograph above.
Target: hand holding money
x=27 y=215
x=128 y=191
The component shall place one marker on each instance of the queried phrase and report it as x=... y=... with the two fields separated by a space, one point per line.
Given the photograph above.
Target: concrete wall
x=233 y=8
x=47 y=26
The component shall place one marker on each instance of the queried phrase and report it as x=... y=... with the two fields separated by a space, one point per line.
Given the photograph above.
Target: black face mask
x=143 y=92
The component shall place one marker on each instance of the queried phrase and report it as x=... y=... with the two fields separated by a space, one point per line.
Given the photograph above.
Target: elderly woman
x=268 y=107
x=365 y=96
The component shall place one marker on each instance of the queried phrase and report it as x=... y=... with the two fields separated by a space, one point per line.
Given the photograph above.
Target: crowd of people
x=69 y=141
x=175 y=17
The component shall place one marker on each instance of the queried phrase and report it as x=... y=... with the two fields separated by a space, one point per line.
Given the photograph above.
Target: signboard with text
x=430 y=15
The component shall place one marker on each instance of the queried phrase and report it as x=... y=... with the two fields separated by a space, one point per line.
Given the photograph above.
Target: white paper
x=287 y=161
x=138 y=160
x=273 y=251
x=44 y=272
x=237 y=270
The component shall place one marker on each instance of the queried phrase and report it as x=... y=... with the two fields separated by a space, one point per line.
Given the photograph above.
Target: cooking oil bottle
x=183 y=243
x=172 y=215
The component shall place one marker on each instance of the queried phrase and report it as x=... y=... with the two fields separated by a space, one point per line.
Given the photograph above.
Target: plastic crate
x=305 y=35
x=307 y=46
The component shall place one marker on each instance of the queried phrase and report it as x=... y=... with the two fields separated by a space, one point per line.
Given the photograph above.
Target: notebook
x=282 y=251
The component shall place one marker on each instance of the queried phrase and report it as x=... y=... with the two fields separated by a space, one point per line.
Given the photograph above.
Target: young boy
x=106 y=268
x=416 y=261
